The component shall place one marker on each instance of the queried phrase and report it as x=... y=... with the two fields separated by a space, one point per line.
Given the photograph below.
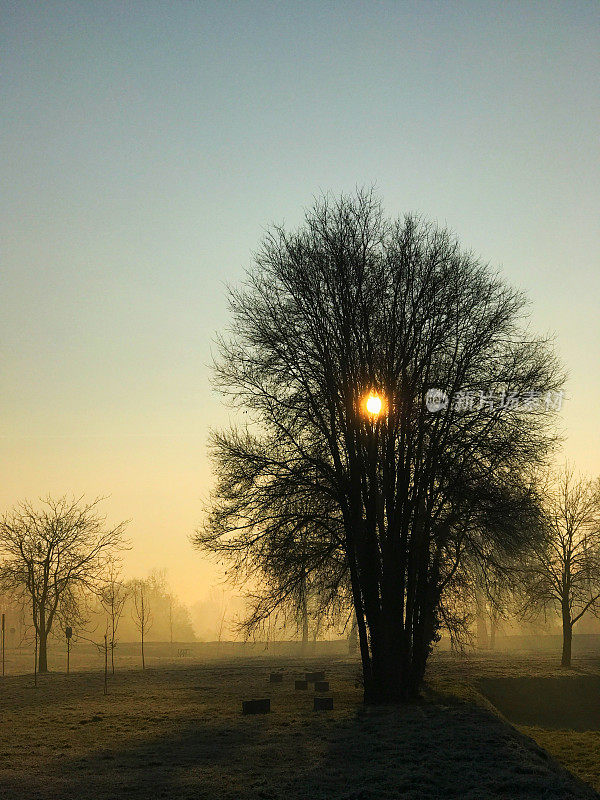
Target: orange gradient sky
x=146 y=147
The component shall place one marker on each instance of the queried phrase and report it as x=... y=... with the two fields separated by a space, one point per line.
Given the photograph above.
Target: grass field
x=558 y=708
x=177 y=732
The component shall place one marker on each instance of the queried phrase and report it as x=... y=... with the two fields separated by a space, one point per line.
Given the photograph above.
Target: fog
x=301 y=459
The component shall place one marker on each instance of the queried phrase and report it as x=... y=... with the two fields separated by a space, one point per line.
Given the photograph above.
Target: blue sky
x=145 y=148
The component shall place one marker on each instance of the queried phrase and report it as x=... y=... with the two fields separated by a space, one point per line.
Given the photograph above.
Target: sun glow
x=374 y=405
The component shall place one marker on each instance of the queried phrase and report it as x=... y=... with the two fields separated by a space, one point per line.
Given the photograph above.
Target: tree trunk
x=400 y=646
x=143 y=660
x=482 y=634
x=359 y=612
x=112 y=638
x=42 y=640
x=388 y=678
x=567 y=638
x=493 y=627
x=304 y=626
x=42 y=652
x=353 y=638
x=315 y=634
x=424 y=636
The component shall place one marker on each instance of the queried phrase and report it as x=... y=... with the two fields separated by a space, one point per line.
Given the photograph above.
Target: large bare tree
x=353 y=305
x=52 y=553
x=563 y=572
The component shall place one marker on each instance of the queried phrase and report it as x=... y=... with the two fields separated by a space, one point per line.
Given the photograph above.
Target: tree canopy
x=352 y=305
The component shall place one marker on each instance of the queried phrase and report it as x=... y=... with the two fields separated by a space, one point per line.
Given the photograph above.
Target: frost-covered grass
x=558 y=708
x=579 y=751
x=178 y=733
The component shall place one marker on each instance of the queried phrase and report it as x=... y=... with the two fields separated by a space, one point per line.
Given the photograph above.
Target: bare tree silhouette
x=113 y=596
x=353 y=305
x=142 y=615
x=563 y=572
x=54 y=552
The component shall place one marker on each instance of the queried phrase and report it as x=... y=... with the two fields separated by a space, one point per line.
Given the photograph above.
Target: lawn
x=178 y=732
x=558 y=708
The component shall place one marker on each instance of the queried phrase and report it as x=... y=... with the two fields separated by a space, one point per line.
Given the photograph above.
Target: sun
x=374 y=405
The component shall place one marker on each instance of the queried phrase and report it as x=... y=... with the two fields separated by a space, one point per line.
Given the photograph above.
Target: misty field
x=177 y=732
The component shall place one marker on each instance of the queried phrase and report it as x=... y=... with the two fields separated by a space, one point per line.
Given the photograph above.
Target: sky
x=146 y=147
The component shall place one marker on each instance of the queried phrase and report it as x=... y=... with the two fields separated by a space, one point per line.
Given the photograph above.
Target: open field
x=177 y=732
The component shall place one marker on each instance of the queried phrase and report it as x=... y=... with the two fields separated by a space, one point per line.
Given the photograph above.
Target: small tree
x=142 y=615
x=113 y=597
x=52 y=553
x=563 y=573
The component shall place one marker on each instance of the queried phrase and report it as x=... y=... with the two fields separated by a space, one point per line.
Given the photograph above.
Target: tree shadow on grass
x=151 y=767
x=424 y=751
x=428 y=751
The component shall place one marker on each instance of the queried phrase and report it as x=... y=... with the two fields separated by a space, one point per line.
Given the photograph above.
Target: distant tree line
x=60 y=569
